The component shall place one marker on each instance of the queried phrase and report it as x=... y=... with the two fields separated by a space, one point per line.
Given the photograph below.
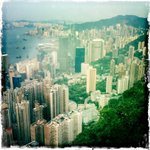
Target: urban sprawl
x=47 y=100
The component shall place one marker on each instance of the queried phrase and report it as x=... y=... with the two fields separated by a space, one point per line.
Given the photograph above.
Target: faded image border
x=147 y=74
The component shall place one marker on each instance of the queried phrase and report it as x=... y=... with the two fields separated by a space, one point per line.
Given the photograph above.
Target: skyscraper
x=17 y=81
x=132 y=74
x=119 y=86
x=127 y=62
x=91 y=80
x=122 y=84
x=67 y=134
x=6 y=120
x=53 y=103
x=4 y=71
x=66 y=54
x=77 y=122
x=57 y=100
x=38 y=112
x=79 y=58
x=126 y=82
x=38 y=91
x=29 y=95
x=52 y=63
x=5 y=62
x=121 y=70
x=84 y=68
x=141 y=71
x=144 y=51
x=37 y=131
x=131 y=52
x=139 y=45
x=57 y=103
x=23 y=76
x=109 y=84
x=51 y=132
x=97 y=49
x=63 y=50
x=23 y=122
x=89 y=52
x=11 y=75
x=112 y=67
x=47 y=98
x=7 y=137
x=143 y=44
x=64 y=98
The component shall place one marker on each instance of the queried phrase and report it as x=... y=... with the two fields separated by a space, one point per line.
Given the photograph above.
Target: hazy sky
x=72 y=11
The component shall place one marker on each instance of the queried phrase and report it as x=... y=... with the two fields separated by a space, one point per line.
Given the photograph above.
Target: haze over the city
x=70 y=11
x=73 y=74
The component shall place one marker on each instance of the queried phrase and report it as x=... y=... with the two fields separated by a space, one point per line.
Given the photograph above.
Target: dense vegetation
x=123 y=122
x=102 y=65
x=62 y=81
x=77 y=93
x=134 y=43
x=101 y=86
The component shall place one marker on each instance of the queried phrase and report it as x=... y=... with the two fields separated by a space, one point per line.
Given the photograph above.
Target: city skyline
x=74 y=85
x=73 y=11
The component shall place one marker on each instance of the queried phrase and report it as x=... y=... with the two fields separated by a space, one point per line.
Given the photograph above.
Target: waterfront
x=18 y=44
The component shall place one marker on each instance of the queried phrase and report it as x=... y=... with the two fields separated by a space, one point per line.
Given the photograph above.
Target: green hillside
x=123 y=122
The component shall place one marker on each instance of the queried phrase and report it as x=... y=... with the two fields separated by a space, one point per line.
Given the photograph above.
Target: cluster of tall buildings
x=76 y=47
x=35 y=110
x=92 y=44
x=29 y=67
x=67 y=54
x=95 y=50
x=60 y=130
x=124 y=71
x=132 y=70
x=40 y=111
x=42 y=29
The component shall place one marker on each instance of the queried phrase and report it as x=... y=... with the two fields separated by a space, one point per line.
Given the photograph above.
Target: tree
x=122 y=122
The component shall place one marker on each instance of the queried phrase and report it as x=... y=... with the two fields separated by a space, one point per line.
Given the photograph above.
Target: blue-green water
x=16 y=44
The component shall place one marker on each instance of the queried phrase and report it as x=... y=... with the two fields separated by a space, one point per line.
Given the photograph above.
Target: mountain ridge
x=132 y=20
x=135 y=21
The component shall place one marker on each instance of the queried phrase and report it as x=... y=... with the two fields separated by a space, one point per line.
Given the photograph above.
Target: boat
x=18 y=57
x=24 y=39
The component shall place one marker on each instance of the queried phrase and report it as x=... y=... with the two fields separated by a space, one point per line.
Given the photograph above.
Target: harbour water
x=20 y=46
